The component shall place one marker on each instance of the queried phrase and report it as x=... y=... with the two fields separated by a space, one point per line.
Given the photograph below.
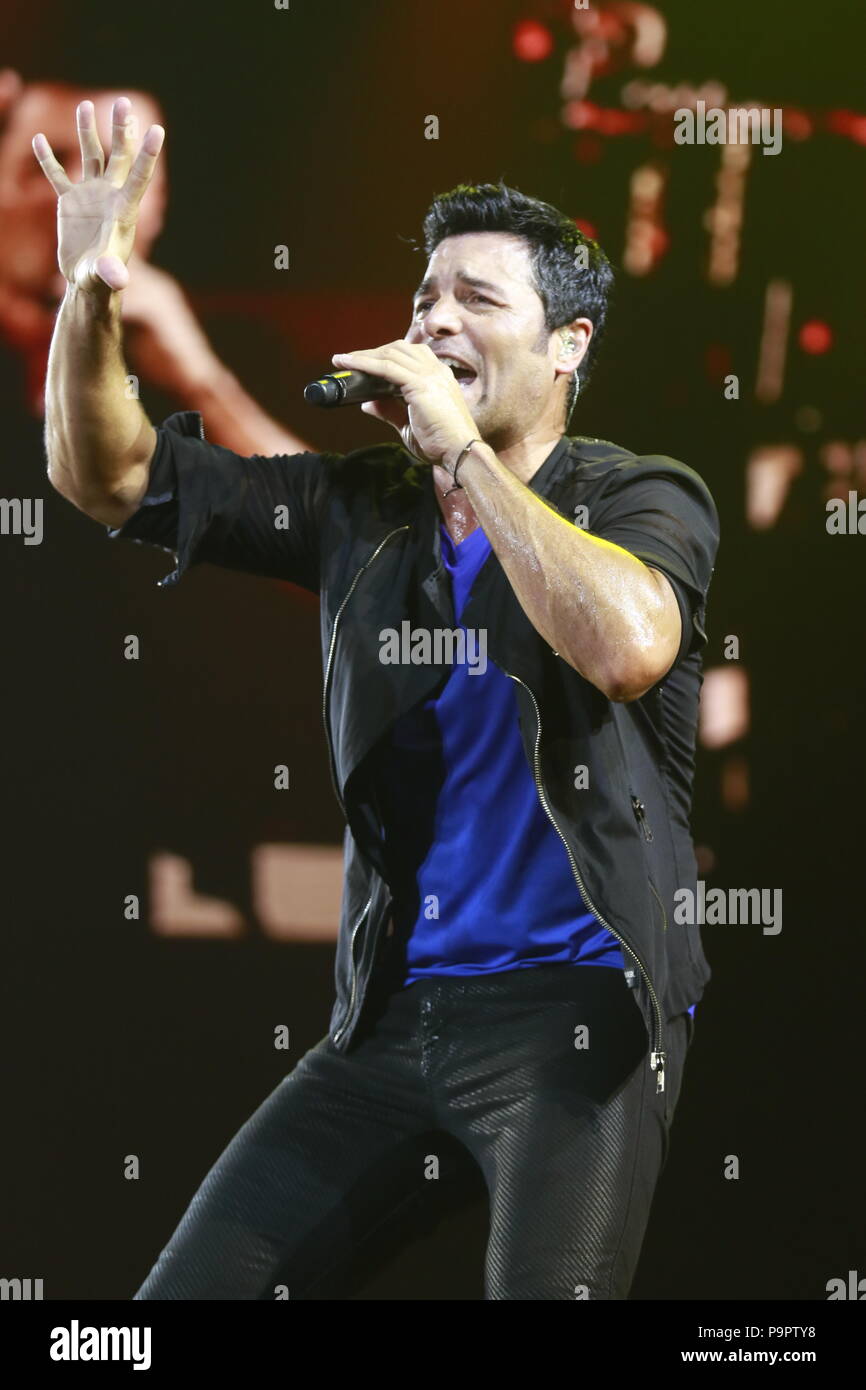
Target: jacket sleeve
x=206 y=503
x=663 y=513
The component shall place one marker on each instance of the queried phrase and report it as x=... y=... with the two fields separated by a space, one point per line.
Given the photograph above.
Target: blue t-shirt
x=481 y=879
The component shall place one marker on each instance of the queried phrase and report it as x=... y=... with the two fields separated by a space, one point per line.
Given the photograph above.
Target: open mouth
x=461 y=373
x=465 y=379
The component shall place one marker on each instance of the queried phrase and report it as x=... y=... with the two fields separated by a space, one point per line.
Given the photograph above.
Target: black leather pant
x=454 y=1082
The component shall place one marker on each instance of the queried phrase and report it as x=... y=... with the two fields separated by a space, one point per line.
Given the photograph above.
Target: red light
x=613 y=122
x=586 y=227
x=815 y=337
x=839 y=122
x=717 y=360
x=796 y=124
x=532 y=41
x=588 y=149
x=659 y=243
x=848 y=123
x=578 y=115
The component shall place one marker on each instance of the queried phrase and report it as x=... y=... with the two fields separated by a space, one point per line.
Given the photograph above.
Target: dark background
x=306 y=128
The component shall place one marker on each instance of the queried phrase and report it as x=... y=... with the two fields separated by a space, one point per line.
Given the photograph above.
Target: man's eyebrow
x=473 y=280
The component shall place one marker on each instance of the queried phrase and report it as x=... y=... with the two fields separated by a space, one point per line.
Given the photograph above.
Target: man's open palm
x=96 y=218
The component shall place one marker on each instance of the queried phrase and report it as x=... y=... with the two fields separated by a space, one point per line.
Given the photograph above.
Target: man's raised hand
x=96 y=218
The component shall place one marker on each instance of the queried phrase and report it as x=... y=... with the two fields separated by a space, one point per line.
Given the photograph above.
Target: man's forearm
x=601 y=609
x=98 y=439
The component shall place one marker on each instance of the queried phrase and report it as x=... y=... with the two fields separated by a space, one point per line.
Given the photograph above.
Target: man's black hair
x=567 y=290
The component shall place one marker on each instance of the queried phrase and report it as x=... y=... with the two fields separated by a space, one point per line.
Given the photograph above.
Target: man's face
x=28 y=204
x=478 y=304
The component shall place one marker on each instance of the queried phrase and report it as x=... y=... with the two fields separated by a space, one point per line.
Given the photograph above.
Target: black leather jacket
x=362 y=531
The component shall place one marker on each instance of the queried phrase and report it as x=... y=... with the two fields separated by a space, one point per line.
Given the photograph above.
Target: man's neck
x=458 y=514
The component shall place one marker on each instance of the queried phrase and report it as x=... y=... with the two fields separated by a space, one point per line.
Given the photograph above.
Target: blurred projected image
x=165 y=345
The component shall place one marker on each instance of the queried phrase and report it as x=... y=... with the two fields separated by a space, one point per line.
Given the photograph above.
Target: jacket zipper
x=355 y=930
x=657 y=1056
x=333 y=766
x=640 y=814
x=339 y=614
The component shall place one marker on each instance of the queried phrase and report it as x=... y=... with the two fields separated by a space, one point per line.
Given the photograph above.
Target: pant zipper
x=657 y=1056
x=332 y=760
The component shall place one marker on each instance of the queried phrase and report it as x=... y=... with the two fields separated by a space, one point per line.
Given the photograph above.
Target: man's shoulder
x=603 y=461
x=381 y=476
x=378 y=460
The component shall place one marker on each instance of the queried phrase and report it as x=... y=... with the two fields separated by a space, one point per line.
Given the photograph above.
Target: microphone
x=348 y=388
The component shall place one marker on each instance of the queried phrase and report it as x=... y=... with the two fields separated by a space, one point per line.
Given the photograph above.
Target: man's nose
x=443 y=318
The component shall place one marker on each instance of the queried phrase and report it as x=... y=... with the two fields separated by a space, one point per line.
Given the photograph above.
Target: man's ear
x=573 y=344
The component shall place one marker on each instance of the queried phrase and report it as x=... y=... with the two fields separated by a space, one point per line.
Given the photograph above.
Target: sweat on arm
x=663 y=514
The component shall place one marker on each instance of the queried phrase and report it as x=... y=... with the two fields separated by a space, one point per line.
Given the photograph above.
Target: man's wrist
x=98 y=305
x=455 y=457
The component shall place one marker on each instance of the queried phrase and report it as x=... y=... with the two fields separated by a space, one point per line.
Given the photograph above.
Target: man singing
x=514 y=991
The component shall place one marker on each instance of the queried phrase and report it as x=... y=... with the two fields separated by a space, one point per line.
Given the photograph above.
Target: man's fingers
x=140 y=174
x=391 y=412
x=92 y=157
x=123 y=133
x=50 y=166
x=112 y=272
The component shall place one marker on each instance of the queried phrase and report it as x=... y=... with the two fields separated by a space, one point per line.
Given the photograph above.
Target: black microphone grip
x=348 y=388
